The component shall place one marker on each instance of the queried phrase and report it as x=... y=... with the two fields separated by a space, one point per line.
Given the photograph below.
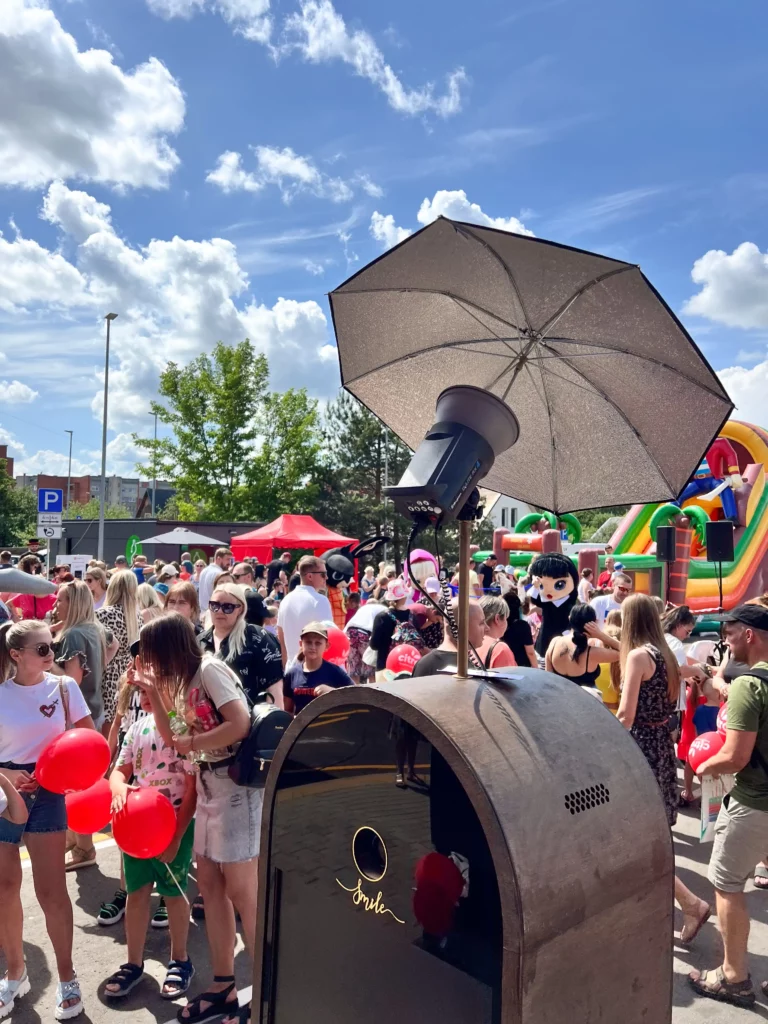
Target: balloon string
x=176 y=883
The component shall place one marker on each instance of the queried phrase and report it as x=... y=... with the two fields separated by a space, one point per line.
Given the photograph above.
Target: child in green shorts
x=145 y=756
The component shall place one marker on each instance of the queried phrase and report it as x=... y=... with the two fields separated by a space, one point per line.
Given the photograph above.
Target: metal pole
x=465 y=532
x=154 y=467
x=69 y=470
x=102 y=498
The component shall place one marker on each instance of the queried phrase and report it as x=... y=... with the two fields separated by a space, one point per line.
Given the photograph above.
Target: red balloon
x=403 y=658
x=704 y=747
x=338 y=646
x=433 y=909
x=146 y=825
x=722 y=719
x=90 y=810
x=72 y=762
x=441 y=871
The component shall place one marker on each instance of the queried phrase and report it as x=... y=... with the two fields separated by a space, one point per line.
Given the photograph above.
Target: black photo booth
x=525 y=876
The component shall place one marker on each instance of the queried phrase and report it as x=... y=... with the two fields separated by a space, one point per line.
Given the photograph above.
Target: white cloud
x=734 y=288
x=456 y=206
x=291 y=173
x=84 y=117
x=320 y=34
x=175 y=298
x=747 y=388
x=56 y=464
x=15 y=393
x=249 y=18
x=316 y=269
x=384 y=230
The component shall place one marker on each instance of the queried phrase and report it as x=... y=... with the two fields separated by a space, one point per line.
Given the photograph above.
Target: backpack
x=757 y=760
x=250 y=763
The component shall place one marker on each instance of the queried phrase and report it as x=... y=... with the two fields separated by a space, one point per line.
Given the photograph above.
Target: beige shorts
x=741 y=841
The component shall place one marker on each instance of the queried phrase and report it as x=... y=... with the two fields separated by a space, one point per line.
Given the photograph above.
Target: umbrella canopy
x=288 y=531
x=180 y=535
x=616 y=404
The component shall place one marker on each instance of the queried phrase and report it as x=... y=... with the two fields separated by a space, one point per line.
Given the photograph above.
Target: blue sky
x=212 y=168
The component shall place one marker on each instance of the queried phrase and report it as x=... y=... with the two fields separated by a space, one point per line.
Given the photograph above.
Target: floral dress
x=652 y=733
x=113 y=618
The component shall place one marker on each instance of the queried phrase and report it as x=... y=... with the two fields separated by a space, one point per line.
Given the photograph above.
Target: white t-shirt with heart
x=32 y=716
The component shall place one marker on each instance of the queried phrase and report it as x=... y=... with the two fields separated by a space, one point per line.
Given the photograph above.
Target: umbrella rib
x=552 y=446
x=438 y=291
x=623 y=416
x=504 y=341
x=581 y=291
x=623 y=352
x=424 y=351
x=510 y=275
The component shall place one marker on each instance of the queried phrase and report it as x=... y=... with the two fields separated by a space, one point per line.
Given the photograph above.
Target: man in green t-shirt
x=741 y=831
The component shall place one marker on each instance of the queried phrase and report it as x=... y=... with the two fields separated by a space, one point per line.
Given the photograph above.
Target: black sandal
x=128 y=977
x=198 y=909
x=218 y=1000
x=180 y=974
x=243 y=1015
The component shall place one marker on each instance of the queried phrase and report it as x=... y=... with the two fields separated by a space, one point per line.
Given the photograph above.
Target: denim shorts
x=47 y=812
x=227 y=818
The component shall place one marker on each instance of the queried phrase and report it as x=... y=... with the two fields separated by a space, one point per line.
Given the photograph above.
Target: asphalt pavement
x=99 y=951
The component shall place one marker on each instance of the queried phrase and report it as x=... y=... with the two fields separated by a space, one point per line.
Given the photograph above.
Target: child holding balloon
x=145 y=758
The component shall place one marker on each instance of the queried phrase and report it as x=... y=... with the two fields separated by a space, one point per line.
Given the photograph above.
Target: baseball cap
x=510 y=570
x=432 y=585
x=753 y=615
x=396 y=590
x=169 y=570
x=319 y=628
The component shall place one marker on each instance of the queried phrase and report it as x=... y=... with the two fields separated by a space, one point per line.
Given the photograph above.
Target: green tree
x=18 y=512
x=90 y=510
x=237 y=451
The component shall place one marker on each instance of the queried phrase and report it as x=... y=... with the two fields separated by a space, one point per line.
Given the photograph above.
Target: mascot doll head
x=555 y=581
x=340 y=566
x=422 y=564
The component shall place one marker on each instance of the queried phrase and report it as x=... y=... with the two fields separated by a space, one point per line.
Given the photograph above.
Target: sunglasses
x=318 y=573
x=240 y=575
x=41 y=650
x=624 y=590
x=223 y=606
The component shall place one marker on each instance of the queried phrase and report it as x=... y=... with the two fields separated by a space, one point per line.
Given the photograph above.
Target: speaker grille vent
x=587 y=799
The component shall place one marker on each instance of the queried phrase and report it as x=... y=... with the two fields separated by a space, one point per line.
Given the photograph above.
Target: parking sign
x=50 y=499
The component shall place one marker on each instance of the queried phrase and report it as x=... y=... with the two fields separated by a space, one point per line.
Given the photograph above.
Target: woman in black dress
x=649 y=693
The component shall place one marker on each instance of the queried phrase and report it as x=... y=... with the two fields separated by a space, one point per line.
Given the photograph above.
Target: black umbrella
x=615 y=402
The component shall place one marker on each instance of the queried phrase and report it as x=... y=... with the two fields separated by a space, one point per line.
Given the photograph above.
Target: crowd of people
x=165 y=660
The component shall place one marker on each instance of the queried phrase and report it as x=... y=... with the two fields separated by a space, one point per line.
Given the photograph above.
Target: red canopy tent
x=287 y=532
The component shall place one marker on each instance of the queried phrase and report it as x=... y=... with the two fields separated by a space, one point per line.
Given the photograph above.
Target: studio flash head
x=472 y=427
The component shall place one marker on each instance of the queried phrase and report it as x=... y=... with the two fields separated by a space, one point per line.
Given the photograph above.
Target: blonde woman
x=150 y=605
x=27 y=684
x=96 y=581
x=649 y=694
x=250 y=651
x=120 y=615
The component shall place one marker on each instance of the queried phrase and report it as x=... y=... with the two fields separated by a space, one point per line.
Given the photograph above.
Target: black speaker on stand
x=666 y=544
x=719 y=538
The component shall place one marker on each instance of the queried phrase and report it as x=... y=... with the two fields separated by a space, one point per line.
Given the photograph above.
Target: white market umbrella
x=180 y=535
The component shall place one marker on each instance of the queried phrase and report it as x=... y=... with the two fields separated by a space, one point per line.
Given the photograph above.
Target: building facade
x=120 y=490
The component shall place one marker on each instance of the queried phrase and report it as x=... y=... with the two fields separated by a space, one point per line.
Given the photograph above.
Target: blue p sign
x=50 y=500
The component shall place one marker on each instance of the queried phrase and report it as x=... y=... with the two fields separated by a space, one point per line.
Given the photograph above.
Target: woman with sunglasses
x=250 y=651
x=35 y=707
x=209 y=700
x=96 y=581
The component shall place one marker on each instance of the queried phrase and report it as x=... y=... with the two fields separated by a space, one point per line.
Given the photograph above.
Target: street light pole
x=102 y=499
x=69 y=470
x=154 y=467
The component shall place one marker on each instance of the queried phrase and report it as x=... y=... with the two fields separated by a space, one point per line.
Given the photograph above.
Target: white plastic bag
x=712 y=793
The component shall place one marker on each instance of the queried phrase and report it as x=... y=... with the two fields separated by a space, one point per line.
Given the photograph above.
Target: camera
x=472 y=427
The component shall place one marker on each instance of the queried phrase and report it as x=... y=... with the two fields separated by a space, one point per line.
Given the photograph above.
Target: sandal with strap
x=126 y=978
x=80 y=858
x=11 y=990
x=761 y=877
x=65 y=992
x=242 y=1016
x=179 y=974
x=220 y=1004
x=715 y=985
x=197 y=910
